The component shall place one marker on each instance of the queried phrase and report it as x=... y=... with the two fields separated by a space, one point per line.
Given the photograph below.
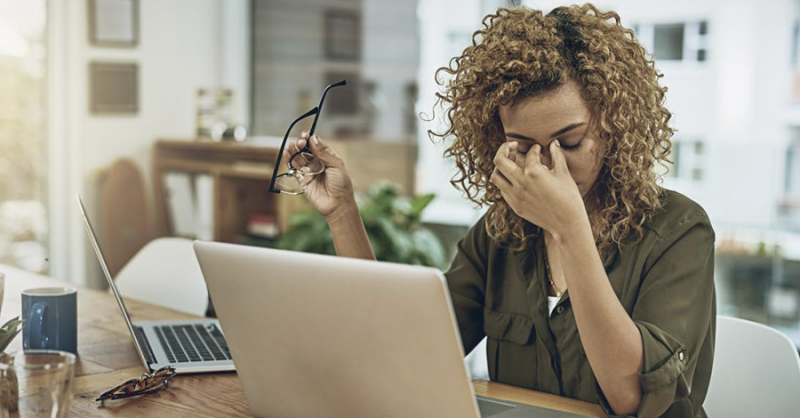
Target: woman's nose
x=545 y=157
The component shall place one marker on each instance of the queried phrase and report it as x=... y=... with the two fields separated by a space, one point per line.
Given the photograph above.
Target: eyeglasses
x=303 y=162
x=145 y=384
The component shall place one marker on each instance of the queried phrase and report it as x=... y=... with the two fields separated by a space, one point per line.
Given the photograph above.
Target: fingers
x=557 y=157
x=498 y=179
x=516 y=156
x=324 y=152
x=505 y=165
x=533 y=158
x=317 y=146
x=293 y=148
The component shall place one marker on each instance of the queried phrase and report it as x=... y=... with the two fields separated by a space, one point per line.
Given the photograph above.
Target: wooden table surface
x=107 y=358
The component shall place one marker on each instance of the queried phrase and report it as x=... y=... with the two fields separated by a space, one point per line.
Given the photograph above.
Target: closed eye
x=570 y=147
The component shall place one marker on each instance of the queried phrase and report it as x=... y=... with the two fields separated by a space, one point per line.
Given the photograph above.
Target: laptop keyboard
x=193 y=343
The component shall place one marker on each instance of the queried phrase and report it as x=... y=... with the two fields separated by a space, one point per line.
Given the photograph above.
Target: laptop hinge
x=145 y=345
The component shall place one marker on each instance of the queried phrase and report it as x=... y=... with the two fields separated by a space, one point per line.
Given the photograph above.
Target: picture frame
x=113 y=88
x=113 y=23
x=343 y=35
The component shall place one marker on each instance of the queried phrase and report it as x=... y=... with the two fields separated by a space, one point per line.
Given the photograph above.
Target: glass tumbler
x=36 y=383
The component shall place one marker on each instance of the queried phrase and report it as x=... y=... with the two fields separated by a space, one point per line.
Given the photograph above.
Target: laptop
x=315 y=335
x=190 y=346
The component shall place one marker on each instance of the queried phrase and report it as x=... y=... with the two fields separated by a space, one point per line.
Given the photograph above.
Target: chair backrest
x=125 y=224
x=166 y=273
x=756 y=372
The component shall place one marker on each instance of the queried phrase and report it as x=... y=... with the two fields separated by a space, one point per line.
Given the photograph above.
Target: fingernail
x=558 y=144
x=315 y=140
x=304 y=133
x=513 y=145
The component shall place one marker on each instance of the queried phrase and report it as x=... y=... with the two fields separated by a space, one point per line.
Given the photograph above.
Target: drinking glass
x=36 y=384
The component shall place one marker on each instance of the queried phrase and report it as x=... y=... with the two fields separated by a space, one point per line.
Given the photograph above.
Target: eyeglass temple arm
x=272 y=188
x=321 y=100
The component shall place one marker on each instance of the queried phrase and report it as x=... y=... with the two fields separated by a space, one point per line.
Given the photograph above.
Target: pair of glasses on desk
x=303 y=162
x=145 y=384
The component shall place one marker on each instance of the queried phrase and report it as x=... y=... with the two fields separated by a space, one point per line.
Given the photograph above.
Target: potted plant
x=393 y=223
x=9 y=387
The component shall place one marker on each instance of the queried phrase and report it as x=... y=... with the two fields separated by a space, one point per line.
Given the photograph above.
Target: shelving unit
x=241 y=173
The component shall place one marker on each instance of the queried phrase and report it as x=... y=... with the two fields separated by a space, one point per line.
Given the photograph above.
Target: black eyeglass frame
x=164 y=374
x=306 y=149
x=314 y=111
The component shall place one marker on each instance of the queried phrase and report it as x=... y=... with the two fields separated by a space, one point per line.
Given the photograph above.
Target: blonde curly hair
x=520 y=52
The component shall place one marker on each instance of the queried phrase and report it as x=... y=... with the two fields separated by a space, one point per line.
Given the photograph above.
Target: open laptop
x=316 y=336
x=190 y=346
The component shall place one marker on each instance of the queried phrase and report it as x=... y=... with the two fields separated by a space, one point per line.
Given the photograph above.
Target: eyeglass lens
x=300 y=165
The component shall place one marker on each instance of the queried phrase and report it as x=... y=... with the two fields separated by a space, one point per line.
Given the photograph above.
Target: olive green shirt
x=665 y=282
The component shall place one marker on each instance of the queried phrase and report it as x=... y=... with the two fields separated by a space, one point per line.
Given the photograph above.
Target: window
x=688 y=158
x=791 y=179
x=23 y=151
x=684 y=42
x=300 y=46
x=668 y=41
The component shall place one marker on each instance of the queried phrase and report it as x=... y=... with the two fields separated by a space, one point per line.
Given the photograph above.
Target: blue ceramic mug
x=50 y=316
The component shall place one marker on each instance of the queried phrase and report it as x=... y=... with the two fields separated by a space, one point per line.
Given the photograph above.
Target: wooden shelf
x=241 y=174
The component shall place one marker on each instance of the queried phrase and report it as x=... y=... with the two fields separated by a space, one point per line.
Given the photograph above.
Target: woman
x=589 y=279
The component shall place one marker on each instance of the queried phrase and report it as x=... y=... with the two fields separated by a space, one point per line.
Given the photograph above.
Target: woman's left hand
x=548 y=198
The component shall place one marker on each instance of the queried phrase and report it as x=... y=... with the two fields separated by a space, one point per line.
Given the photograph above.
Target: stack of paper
x=190 y=202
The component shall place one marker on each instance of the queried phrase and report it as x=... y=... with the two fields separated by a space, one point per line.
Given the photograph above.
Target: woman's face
x=557 y=114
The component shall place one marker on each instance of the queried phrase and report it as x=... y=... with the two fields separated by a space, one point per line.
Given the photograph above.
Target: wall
x=184 y=45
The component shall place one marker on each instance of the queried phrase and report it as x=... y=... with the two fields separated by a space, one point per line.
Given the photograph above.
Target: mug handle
x=34 y=324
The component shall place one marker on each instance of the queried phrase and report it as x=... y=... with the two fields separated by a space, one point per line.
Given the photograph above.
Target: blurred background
x=165 y=116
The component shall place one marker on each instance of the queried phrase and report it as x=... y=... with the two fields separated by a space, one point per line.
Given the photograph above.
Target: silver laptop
x=190 y=346
x=322 y=336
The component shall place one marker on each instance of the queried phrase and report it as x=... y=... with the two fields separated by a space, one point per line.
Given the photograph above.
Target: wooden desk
x=107 y=358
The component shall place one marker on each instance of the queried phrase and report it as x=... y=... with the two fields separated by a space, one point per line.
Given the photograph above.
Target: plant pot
x=9 y=385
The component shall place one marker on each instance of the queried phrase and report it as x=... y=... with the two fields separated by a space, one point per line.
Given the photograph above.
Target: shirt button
x=560 y=309
x=681 y=356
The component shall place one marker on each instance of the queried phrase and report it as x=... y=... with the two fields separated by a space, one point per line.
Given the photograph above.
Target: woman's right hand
x=331 y=191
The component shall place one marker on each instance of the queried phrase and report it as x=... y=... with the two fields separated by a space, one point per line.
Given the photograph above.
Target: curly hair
x=520 y=52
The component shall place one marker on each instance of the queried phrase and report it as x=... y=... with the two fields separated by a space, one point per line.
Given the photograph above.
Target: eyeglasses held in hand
x=303 y=162
x=145 y=384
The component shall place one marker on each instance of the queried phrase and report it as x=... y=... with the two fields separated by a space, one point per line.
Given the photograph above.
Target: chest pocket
x=507 y=326
x=512 y=360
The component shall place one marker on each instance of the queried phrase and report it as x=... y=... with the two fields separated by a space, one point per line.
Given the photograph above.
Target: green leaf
x=303 y=218
x=392 y=221
x=419 y=204
x=8 y=331
x=399 y=245
x=430 y=249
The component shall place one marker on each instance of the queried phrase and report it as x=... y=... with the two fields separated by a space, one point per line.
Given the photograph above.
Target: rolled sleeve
x=466 y=280
x=675 y=314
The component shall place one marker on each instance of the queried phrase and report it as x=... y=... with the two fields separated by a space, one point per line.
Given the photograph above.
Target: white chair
x=165 y=273
x=756 y=372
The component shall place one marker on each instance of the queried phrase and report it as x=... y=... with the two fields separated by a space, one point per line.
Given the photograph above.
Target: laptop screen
x=101 y=258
